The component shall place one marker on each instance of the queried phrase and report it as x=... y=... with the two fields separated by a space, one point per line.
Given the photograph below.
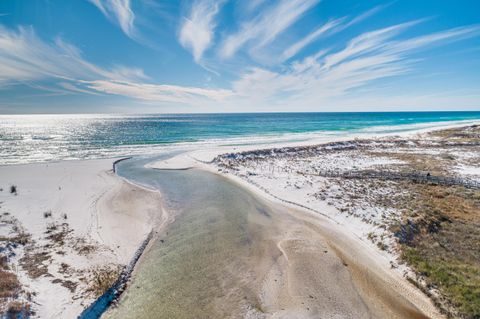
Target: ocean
x=43 y=138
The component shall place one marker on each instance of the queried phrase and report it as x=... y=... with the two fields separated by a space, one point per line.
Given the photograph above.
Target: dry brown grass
x=461 y=134
x=9 y=284
x=441 y=240
x=35 y=262
x=70 y=285
x=439 y=226
x=419 y=162
x=82 y=247
x=18 y=309
x=440 y=232
x=102 y=278
x=58 y=233
x=10 y=289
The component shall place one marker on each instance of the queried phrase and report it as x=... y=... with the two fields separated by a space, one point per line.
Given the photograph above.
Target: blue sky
x=100 y=56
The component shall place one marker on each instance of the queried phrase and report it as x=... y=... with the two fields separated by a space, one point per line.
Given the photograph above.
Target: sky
x=159 y=56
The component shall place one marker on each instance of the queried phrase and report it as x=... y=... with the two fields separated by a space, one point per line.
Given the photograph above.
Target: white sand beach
x=197 y=159
x=370 y=270
x=349 y=235
x=83 y=221
x=99 y=219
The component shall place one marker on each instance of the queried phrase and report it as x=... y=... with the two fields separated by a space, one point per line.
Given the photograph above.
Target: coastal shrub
x=444 y=250
x=9 y=284
x=18 y=309
x=458 y=282
x=51 y=227
x=102 y=278
x=57 y=233
x=47 y=214
x=3 y=262
x=13 y=189
x=22 y=238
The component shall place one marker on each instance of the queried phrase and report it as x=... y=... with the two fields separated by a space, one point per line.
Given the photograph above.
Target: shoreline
x=199 y=159
x=99 y=306
x=187 y=161
x=260 y=141
x=257 y=179
x=191 y=160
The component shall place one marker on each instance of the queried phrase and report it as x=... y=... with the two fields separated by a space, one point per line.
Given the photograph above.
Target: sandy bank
x=384 y=288
x=82 y=220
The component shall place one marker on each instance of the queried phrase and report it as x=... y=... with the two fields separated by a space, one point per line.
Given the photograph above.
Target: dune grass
x=444 y=246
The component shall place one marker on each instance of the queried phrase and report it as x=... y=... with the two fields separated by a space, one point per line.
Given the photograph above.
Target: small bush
x=47 y=214
x=17 y=309
x=13 y=189
x=9 y=284
x=51 y=228
x=103 y=278
x=3 y=262
x=22 y=238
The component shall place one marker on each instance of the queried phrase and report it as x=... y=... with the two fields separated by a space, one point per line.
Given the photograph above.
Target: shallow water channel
x=189 y=268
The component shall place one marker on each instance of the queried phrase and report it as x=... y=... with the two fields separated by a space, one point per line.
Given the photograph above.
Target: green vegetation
x=440 y=240
x=458 y=282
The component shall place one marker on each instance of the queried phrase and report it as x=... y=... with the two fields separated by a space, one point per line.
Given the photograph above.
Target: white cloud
x=159 y=93
x=252 y=4
x=323 y=77
x=24 y=58
x=329 y=28
x=367 y=43
x=118 y=11
x=366 y=14
x=196 y=32
x=264 y=28
x=451 y=35
x=296 y=47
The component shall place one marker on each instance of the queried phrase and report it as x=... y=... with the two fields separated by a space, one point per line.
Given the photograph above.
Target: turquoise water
x=36 y=138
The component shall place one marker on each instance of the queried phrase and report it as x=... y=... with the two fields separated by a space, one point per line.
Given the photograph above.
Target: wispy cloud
x=252 y=4
x=159 y=93
x=367 y=14
x=322 y=30
x=367 y=43
x=25 y=58
x=322 y=77
x=265 y=27
x=119 y=12
x=331 y=27
x=328 y=76
x=196 y=32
